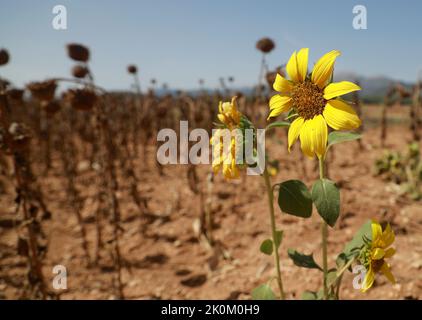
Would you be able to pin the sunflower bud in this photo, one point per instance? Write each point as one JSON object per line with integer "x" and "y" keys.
{"x": 4, "y": 57}
{"x": 79, "y": 71}
{"x": 132, "y": 69}
{"x": 265, "y": 45}
{"x": 43, "y": 91}
{"x": 78, "y": 52}
{"x": 82, "y": 99}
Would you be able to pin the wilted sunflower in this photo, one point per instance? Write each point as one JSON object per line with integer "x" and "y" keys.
{"x": 229, "y": 158}
{"x": 315, "y": 100}
{"x": 43, "y": 91}
{"x": 229, "y": 114}
{"x": 375, "y": 252}
{"x": 81, "y": 99}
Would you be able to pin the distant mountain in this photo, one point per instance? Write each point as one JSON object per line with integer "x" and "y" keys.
{"x": 373, "y": 88}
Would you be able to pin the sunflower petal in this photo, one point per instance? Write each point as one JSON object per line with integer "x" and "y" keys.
{"x": 323, "y": 69}
{"x": 368, "y": 281}
{"x": 279, "y": 104}
{"x": 378, "y": 254}
{"x": 220, "y": 107}
{"x": 389, "y": 253}
{"x": 216, "y": 168}
{"x": 306, "y": 139}
{"x": 291, "y": 68}
{"x": 282, "y": 84}
{"x": 221, "y": 117}
{"x": 319, "y": 135}
{"x": 234, "y": 170}
{"x": 279, "y": 101}
{"x": 294, "y": 131}
{"x": 376, "y": 233}
{"x": 337, "y": 89}
{"x": 387, "y": 237}
{"x": 226, "y": 171}
{"x": 340, "y": 115}
{"x": 302, "y": 63}
{"x": 385, "y": 269}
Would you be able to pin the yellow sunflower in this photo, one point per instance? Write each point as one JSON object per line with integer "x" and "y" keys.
{"x": 374, "y": 255}
{"x": 315, "y": 100}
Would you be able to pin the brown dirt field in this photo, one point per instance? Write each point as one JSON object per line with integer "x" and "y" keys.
{"x": 170, "y": 263}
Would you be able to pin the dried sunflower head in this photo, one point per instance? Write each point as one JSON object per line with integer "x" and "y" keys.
{"x": 15, "y": 95}
{"x": 50, "y": 107}
{"x": 80, "y": 71}
{"x": 43, "y": 91}
{"x": 132, "y": 69}
{"x": 78, "y": 52}
{"x": 265, "y": 45}
{"x": 4, "y": 57}
{"x": 82, "y": 99}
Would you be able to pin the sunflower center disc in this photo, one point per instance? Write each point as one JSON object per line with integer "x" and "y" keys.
{"x": 377, "y": 264}
{"x": 308, "y": 99}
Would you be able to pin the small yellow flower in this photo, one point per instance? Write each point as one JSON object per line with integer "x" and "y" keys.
{"x": 315, "y": 100}
{"x": 224, "y": 158}
{"x": 229, "y": 114}
{"x": 374, "y": 254}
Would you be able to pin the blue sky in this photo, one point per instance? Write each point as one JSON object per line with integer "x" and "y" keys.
{"x": 178, "y": 42}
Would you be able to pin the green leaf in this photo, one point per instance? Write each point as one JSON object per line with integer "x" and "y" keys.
{"x": 309, "y": 295}
{"x": 358, "y": 240}
{"x": 303, "y": 260}
{"x": 339, "y": 137}
{"x": 278, "y": 238}
{"x": 351, "y": 248}
{"x": 331, "y": 277}
{"x": 341, "y": 260}
{"x": 263, "y": 292}
{"x": 267, "y": 247}
{"x": 294, "y": 198}
{"x": 326, "y": 197}
{"x": 278, "y": 124}
{"x": 320, "y": 295}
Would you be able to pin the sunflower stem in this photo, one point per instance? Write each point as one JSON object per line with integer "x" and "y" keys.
{"x": 273, "y": 231}
{"x": 324, "y": 234}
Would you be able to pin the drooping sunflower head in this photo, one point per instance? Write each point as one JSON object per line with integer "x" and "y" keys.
{"x": 229, "y": 114}
{"x": 315, "y": 100}
{"x": 374, "y": 254}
